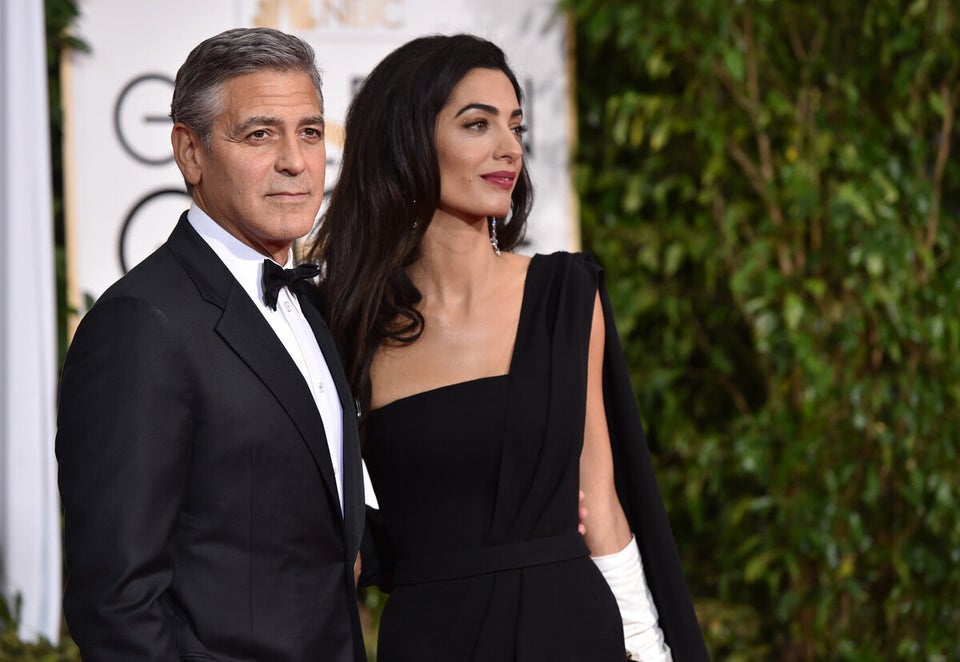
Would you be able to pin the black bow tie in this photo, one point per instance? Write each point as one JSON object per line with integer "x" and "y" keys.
{"x": 276, "y": 277}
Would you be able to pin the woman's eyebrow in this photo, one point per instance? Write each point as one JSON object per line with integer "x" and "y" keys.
{"x": 487, "y": 109}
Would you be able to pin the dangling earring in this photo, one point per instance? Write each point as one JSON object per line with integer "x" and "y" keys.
{"x": 493, "y": 236}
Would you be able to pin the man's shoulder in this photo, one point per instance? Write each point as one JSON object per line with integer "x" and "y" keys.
{"x": 168, "y": 280}
{"x": 156, "y": 274}
{"x": 169, "y": 270}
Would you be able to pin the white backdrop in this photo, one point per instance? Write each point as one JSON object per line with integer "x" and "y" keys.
{"x": 29, "y": 511}
{"x": 124, "y": 190}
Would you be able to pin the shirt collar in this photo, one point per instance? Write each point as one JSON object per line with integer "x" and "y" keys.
{"x": 244, "y": 262}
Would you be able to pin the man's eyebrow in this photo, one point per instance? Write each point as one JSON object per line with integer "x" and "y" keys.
{"x": 266, "y": 120}
{"x": 487, "y": 109}
{"x": 256, "y": 120}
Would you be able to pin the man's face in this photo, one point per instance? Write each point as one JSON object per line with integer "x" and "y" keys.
{"x": 262, "y": 176}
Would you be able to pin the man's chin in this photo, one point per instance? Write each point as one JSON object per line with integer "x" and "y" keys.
{"x": 296, "y": 226}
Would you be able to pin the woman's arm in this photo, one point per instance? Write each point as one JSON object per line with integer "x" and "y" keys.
{"x": 608, "y": 529}
{"x": 609, "y": 537}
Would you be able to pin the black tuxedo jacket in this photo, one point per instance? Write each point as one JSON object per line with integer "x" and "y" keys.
{"x": 200, "y": 509}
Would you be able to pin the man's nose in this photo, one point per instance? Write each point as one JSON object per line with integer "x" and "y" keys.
{"x": 290, "y": 157}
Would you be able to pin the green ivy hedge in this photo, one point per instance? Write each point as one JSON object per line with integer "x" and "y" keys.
{"x": 13, "y": 649}
{"x": 773, "y": 189}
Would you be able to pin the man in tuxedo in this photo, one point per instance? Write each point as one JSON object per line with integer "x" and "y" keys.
{"x": 209, "y": 464}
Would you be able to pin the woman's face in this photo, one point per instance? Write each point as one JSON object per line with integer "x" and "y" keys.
{"x": 479, "y": 149}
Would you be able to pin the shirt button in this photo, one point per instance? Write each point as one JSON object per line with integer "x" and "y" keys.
{"x": 320, "y": 386}
{"x": 288, "y": 306}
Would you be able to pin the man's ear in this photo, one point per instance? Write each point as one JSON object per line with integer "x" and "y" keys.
{"x": 188, "y": 152}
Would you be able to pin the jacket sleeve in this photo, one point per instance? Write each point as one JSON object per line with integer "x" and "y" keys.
{"x": 375, "y": 549}
{"x": 123, "y": 451}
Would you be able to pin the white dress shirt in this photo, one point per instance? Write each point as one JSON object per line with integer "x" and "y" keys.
{"x": 288, "y": 322}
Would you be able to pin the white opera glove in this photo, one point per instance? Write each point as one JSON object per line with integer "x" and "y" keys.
{"x": 642, "y": 635}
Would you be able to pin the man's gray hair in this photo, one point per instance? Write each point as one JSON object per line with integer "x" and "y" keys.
{"x": 198, "y": 90}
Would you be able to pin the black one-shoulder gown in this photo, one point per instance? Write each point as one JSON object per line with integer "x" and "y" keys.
{"x": 477, "y": 484}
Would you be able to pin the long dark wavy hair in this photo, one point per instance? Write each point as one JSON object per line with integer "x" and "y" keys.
{"x": 387, "y": 192}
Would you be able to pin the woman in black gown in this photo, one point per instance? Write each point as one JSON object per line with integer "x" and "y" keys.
{"x": 492, "y": 385}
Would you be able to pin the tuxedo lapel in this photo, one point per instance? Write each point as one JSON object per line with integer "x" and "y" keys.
{"x": 353, "y": 501}
{"x": 243, "y": 328}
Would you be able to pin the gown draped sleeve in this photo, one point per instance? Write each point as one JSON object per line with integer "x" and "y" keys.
{"x": 640, "y": 496}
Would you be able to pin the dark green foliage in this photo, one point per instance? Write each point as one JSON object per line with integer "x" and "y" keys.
{"x": 771, "y": 187}
{"x": 11, "y": 648}
{"x": 60, "y": 15}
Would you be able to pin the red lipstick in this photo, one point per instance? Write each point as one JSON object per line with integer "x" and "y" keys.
{"x": 502, "y": 179}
